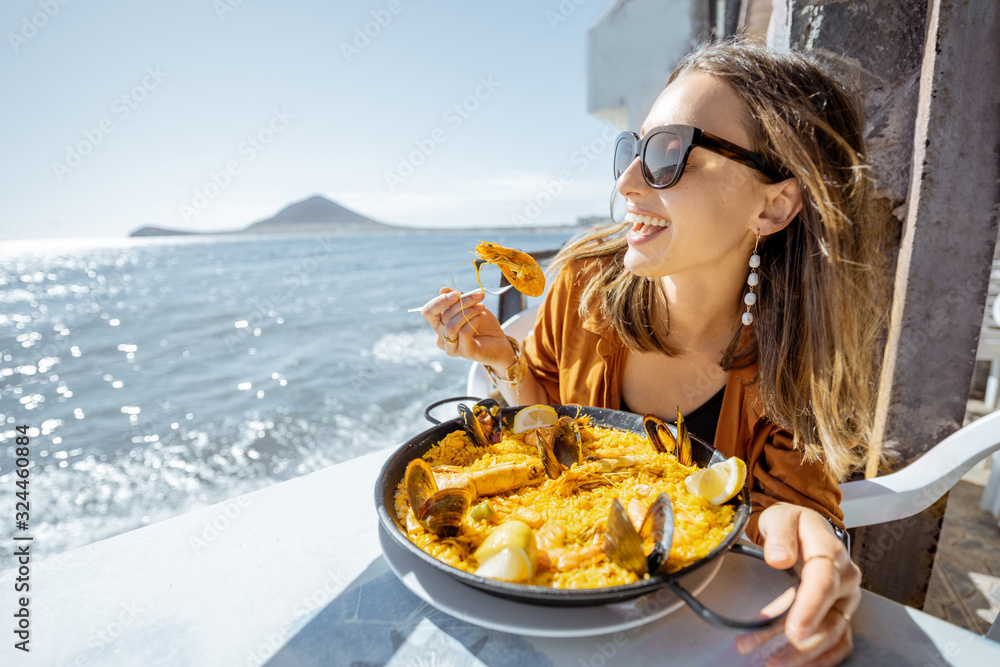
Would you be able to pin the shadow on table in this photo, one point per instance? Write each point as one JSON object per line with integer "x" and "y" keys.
{"x": 376, "y": 621}
{"x": 885, "y": 633}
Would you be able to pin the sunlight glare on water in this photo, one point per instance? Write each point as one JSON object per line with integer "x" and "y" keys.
{"x": 160, "y": 375}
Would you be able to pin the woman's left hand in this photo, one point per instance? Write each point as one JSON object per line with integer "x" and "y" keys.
{"x": 818, "y": 626}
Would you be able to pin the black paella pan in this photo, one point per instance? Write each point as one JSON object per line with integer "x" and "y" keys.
{"x": 703, "y": 455}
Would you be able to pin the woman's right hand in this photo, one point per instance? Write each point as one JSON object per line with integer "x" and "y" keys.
{"x": 466, "y": 328}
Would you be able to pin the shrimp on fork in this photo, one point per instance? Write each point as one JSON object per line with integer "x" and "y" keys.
{"x": 520, "y": 268}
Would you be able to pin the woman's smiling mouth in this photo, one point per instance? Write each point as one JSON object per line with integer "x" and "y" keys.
{"x": 644, "y": 227}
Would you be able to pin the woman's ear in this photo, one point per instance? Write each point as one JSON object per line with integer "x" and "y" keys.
{"x": 783, "y": 201}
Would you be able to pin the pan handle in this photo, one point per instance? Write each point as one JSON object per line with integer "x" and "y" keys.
{"x": 721, "y": 621}
{"x": 427, "y": 410}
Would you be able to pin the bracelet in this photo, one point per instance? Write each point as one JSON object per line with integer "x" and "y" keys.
{"x": 516, "y": 372}
{"x": 842, "y": 535}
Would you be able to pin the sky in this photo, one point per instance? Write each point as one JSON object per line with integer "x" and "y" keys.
{"x": 207, "y": 115}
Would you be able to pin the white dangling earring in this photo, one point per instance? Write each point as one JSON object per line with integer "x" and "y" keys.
{"x": 752, "y": 280}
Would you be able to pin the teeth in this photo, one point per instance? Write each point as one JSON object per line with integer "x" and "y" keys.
{"x": 646, "y": 220}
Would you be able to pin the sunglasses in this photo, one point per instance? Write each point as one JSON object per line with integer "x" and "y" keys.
{"x": 663, "y": 153}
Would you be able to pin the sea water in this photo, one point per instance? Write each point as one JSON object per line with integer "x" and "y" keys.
{"x": 161, "y": 375}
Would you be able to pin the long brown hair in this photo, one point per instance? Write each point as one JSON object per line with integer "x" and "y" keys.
{"x": 822, "y": 297}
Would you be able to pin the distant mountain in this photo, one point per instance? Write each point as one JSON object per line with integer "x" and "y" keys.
{"x": 319, "y": 215}
{"x": 159, "y": 231}
{"x": 315, "y": 214}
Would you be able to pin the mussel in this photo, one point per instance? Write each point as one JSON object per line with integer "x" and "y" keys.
{"x": 623, "y": 543}
{"x": 562, "y": 447}
{"x": 481, "y": 422}
{"x": 439, "y": 511}
{"x": 487, "y": 411}
{"x": 680, "y": 446}
{"x": 565, "y": 441}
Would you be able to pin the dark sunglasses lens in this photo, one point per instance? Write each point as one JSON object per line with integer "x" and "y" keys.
{"x": 624, "y": 154}
{"x": 662, "y": 158}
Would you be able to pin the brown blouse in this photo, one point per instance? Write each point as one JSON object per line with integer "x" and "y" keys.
{"x": 582, "y": 362}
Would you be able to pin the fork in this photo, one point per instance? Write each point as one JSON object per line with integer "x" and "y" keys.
{"x": 475, "y": 291}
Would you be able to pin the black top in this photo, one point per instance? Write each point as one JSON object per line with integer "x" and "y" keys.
{"x": 703, "y": 420}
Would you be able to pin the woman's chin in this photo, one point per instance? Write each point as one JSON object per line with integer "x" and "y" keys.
{"x": 638, "y": 265}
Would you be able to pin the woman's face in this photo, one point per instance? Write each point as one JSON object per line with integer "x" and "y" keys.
{"x": 705, "y": 221}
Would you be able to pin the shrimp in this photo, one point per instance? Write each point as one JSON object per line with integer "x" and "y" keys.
{"x": 520, "y": 268}
{"x": 595, "y": 472}
{"x": 555, "y": 554}
{"x": 613, "y": 464}
{"x": 636, "y": 512}
{"x": 492, "y": 480}
{"x": 439, "y": 499}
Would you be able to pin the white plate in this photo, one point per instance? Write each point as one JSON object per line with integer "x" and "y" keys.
{"x": 473, "y": 606}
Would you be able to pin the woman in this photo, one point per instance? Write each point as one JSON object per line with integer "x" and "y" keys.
{"x": 741, "y": 288}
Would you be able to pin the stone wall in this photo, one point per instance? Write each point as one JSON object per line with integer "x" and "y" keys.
{"x": 880, "y": 44}
{"x": 928, "y": 71}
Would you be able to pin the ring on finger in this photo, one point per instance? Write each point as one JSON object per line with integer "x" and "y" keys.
{"x": 829, "y": 558}
{"x": 449, "y": 340}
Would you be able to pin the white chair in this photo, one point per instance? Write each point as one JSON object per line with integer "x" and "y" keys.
{"x": 989, "y": 343}
{"x": 517, "y": 327}
{"x": 869, "y": 501}
{"x": 990, "y": 501}
{"x": 919, "y": 485}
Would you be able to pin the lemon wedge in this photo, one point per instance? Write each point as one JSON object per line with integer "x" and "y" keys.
{"x": 511, "y": 533}
{"x": 534, "y": 416}
{"x": 508, "y": 564}
{"x": 718, "y": 482}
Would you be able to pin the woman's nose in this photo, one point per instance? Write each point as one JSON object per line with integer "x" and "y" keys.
{"x": 631, "y": 183}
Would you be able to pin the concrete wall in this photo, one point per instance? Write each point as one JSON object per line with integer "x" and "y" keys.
{"x": 886, "y": 68}
{"x": 631, "y": 50}
{"x": 929, "y": 71}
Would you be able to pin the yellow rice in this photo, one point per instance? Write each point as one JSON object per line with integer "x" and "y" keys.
{"x": 699, "y": 526}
